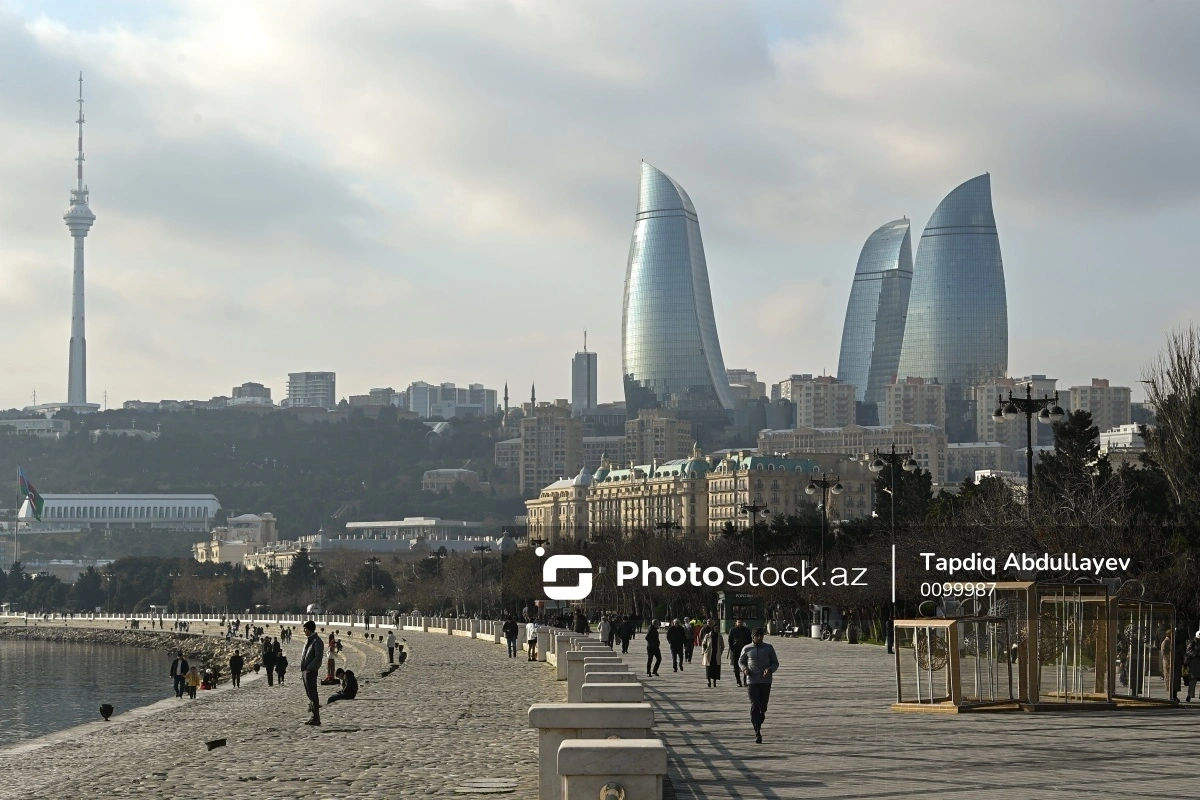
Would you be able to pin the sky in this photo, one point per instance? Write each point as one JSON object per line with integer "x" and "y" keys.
{"x": 445, "y": 191}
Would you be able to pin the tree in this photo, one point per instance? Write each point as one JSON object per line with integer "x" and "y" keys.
{"x": 88, "y": 592}
{"x": 1173, "y": 390}
{"x": 914, "y": 491}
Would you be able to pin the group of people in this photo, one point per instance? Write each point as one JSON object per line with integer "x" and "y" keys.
{"x": 188, "y": 678}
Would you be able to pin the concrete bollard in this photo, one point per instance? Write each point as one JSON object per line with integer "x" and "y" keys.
{"x": 474, "y": 629}
{"x": 609, "y": 677}
{"x": 498, "y": 632}
{"x": 561, "y": 646}
{"x": 560, "y": 722}
{"x": 543, "y": 643}
{"x": 576, "y": 662}
{"x": 612, "y": 693}
{"x": 424, "y": 624}
{"x": 450, "y": 626}
{"x": 587, "y": 767}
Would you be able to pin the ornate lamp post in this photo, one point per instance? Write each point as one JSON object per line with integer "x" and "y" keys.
{"x": 908, "y": 464}
{"x": 753, "y": 510}
{"x": 481, "y": 549}
{"x": 827, "y": 486}
{"x": 372, "y": 561}
{"x": 1047, "y": 410}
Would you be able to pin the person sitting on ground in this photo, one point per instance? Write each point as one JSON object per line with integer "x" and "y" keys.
{"x": 349, "y": 686}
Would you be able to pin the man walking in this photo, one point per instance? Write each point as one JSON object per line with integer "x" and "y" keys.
{"x": 268, "y": 661}
{"x": 236, "y": 662}
{"x": 758, "y": 663}
{"x": 739, "y": 637}
{"x": 310, "y": 665}
{"x": 510, "y": 635}
{"x": 179, "y": 671}
{"x": 653, "y": 652}
{"x": 676, "y": 636}
{"x": 391, "y": 646}
{"x": 625, "y": 633}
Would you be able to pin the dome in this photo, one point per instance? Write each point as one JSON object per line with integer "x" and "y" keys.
{"x": 584, "y": 478}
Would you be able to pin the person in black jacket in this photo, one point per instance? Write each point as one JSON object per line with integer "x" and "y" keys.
{"x": 179, "y": 671}
{"x": 268, "y": 660}
{"x": 310, "y": 665}
{"x": 236, "y": 662}
{"x": 653, "y": 651}
{"x": 739, "y": 637}
{"x": 581, "y": 623}
{"x": 510, "y": 635}
{"x": 349, "y": 686}
{"x": 676, "y": 638}
{"x": 625, "y": 633}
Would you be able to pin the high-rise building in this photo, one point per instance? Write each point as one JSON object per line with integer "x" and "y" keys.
{"x": 583, "y": 380}
{"x": 1110, "y": 405}
{"x": 79, "y": 219}
{"x": 670, "y": 355}
{"x": 551, "y": 445}
{"x": 312, "y": 390}
{"x": 987, "y": 397}
{"x": 1041, "y": 386}
{"x": 745, "y": 385}
{"x": 913, "y": 400}
{"x": 254, "y": 394}
{"x": 656, "y": 437}
{"x": 874, "y": 328}
{"x": 447, "y": 400}
{"x": 956, "y": 331}
{"x": 821, "y": 402}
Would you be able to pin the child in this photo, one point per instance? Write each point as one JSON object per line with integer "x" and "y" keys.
{"x": 193, "y": 682}
{"x": 280, "y": 666}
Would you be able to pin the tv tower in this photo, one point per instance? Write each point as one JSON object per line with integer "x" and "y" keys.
{"x": 79, "y": 219}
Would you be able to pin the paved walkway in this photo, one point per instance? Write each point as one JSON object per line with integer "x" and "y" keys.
{"x": 830, "y": 734}
{"x": 451, "y": 722}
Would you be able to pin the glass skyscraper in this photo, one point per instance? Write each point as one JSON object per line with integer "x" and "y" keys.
{"x": 874, "y": 329}
{"x": 670, "y": 355}
{"x": 957, "y": 328}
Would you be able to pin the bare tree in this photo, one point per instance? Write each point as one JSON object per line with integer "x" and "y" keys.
{"x": 1173, "y": 390}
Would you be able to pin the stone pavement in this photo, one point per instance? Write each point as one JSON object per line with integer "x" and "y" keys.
{"x": 450, "y": 722}
{"x": 830, "y": 734}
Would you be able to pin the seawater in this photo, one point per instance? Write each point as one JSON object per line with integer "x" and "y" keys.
{"x": 50, "y": 686}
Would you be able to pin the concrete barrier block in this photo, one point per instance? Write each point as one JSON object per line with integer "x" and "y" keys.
{"x": 560, "y": 722}
{"x": 612, "y": 693}
{"x": 587, "y": 766}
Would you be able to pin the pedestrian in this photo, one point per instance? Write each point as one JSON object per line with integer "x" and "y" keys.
{"x": 691, "y": 627}
{"x": 758, "y": 663}
{"x": 653, "y": 651}
{"x": 531, "y": 639}
{"x": 606, "y": 631}
{"x": 310, "y": 665}
{"x": 1191, "y": 660}
{"x": 268, "y": 660}
{"x": 236, "y": 663}
{"x": 510, "y": 635}
{"x": 349, "y": 688}
{"x": 391, "y": 646}
{"x": 739, "y": 637}
{"x": 712, "y": 647}
{"x": 281, "y": 664}
{"x": 676, "y": 636}
{"x": 581, "y": 622}
{"x": 179, "y": 670}
{"x": 625, "y": 633}
{"x": 193, "y": 681}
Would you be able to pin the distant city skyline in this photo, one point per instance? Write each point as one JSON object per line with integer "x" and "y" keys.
{"x": 399, "y": 192}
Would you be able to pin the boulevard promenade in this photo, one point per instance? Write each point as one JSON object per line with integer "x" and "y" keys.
{"x": 830, "y": 734}
{"x": 450, "y": 722}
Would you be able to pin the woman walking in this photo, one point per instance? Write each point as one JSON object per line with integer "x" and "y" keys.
{"x": 653, "y": 650}
{"x": 712, "y": 646}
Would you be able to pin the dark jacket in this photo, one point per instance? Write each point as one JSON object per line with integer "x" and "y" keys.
{"x": 739, "y": 637}
{"x": 236, "y": 663}
{"x": 268, "y": 653}
{"x": 179, "y": 667}
{"x": 281, "y": 663}
{"x": 581, "y": 624}
{"x": 757, "y": 659}
{"x": 349, "y": 685}
{"x": 313, "y": 655}
{"x": 676, "y": 637}
{"x": 510, "y": 629}
{"x": 625, "y": 630}
{"x": 652, "y": 639}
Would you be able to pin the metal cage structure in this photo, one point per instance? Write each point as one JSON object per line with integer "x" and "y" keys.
{"x": 1144, "y": 644}
{"x": 953, "y": 665}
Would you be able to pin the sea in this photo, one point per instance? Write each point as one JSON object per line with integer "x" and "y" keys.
{"x": 51, "y": 686}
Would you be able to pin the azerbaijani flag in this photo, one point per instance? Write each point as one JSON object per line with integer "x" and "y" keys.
{"x": 27, "y": 491}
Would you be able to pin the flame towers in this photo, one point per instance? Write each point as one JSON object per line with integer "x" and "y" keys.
{"x": 874, "y": 329}
{"x": 79, "y": 219}
{"x": 670, "y": 355}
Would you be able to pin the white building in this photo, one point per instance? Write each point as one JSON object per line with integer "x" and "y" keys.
{"x": 239, "y": 536}
{"x": 915, "y": 401}
{"x": 312, "y": 390}
{"x": 179, "y": 512}
{"x": 821, "y": 402}
{"x": 250, "y": 394}
{"x": 447, "y": 400}
{"x": 1109, "y": 405}
{"x": 1122, "y": 439}
{"x": 47, "y": 428}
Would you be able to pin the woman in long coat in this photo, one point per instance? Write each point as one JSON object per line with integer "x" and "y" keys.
{"x": 713, "y": 647}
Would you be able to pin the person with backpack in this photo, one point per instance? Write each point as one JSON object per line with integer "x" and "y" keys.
{"x": 653, "y": 650}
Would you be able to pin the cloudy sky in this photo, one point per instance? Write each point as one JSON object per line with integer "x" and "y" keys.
{"x": 445, "y": 191}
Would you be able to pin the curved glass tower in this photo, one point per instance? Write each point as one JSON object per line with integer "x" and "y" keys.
{"x": 874, "y": 329}
{"x": 957, "y": 328}
{"x": 670, "y": 355}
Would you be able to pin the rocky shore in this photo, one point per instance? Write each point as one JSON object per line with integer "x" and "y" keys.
{"x": 203, "y": 651}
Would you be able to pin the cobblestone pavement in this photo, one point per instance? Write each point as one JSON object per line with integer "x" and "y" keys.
{"x": 830, "y": 734}
{"x": 452, "y": 721}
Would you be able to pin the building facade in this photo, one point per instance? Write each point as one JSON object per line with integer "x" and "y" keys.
{"x": 821, "y": 402}
{"x": 551, "y": 445}
{"x": 913, "y": 400}
{"x": 874, "y": 329}
{"x": 1109, "y": 405}
{"x": 583, "y": 382}
{"x": 253, "y": 394}
{"x": 238, "y": 537}
{"x": 598, "y": 448}
{"x": 176, "y": 512}
{"x": 670, "y": 354}
{"x": 963, "y": 459}
{"x": 447, "y": 480}
{"x": 447, "y": 400}
{"x": 928, "y": 443}
{"x": 956, "y": 331}
{"x": 656, "y": 437}
{"x": 41, "y": 426}
{"x": 312, "y": 390}
{"x": 986, "y": 398}
{"x": 745, "y": 385}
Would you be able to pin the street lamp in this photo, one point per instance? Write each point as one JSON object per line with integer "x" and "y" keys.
{"x": 481, "y": 549}
{"x": 372, "y": 561}
{"x": 1046, "y": 409}
{"x": 827, "y": 486}
{"x": 666, "y": 526}
{"x": 908, "y": 464}
{"x": 753, "y": 510}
